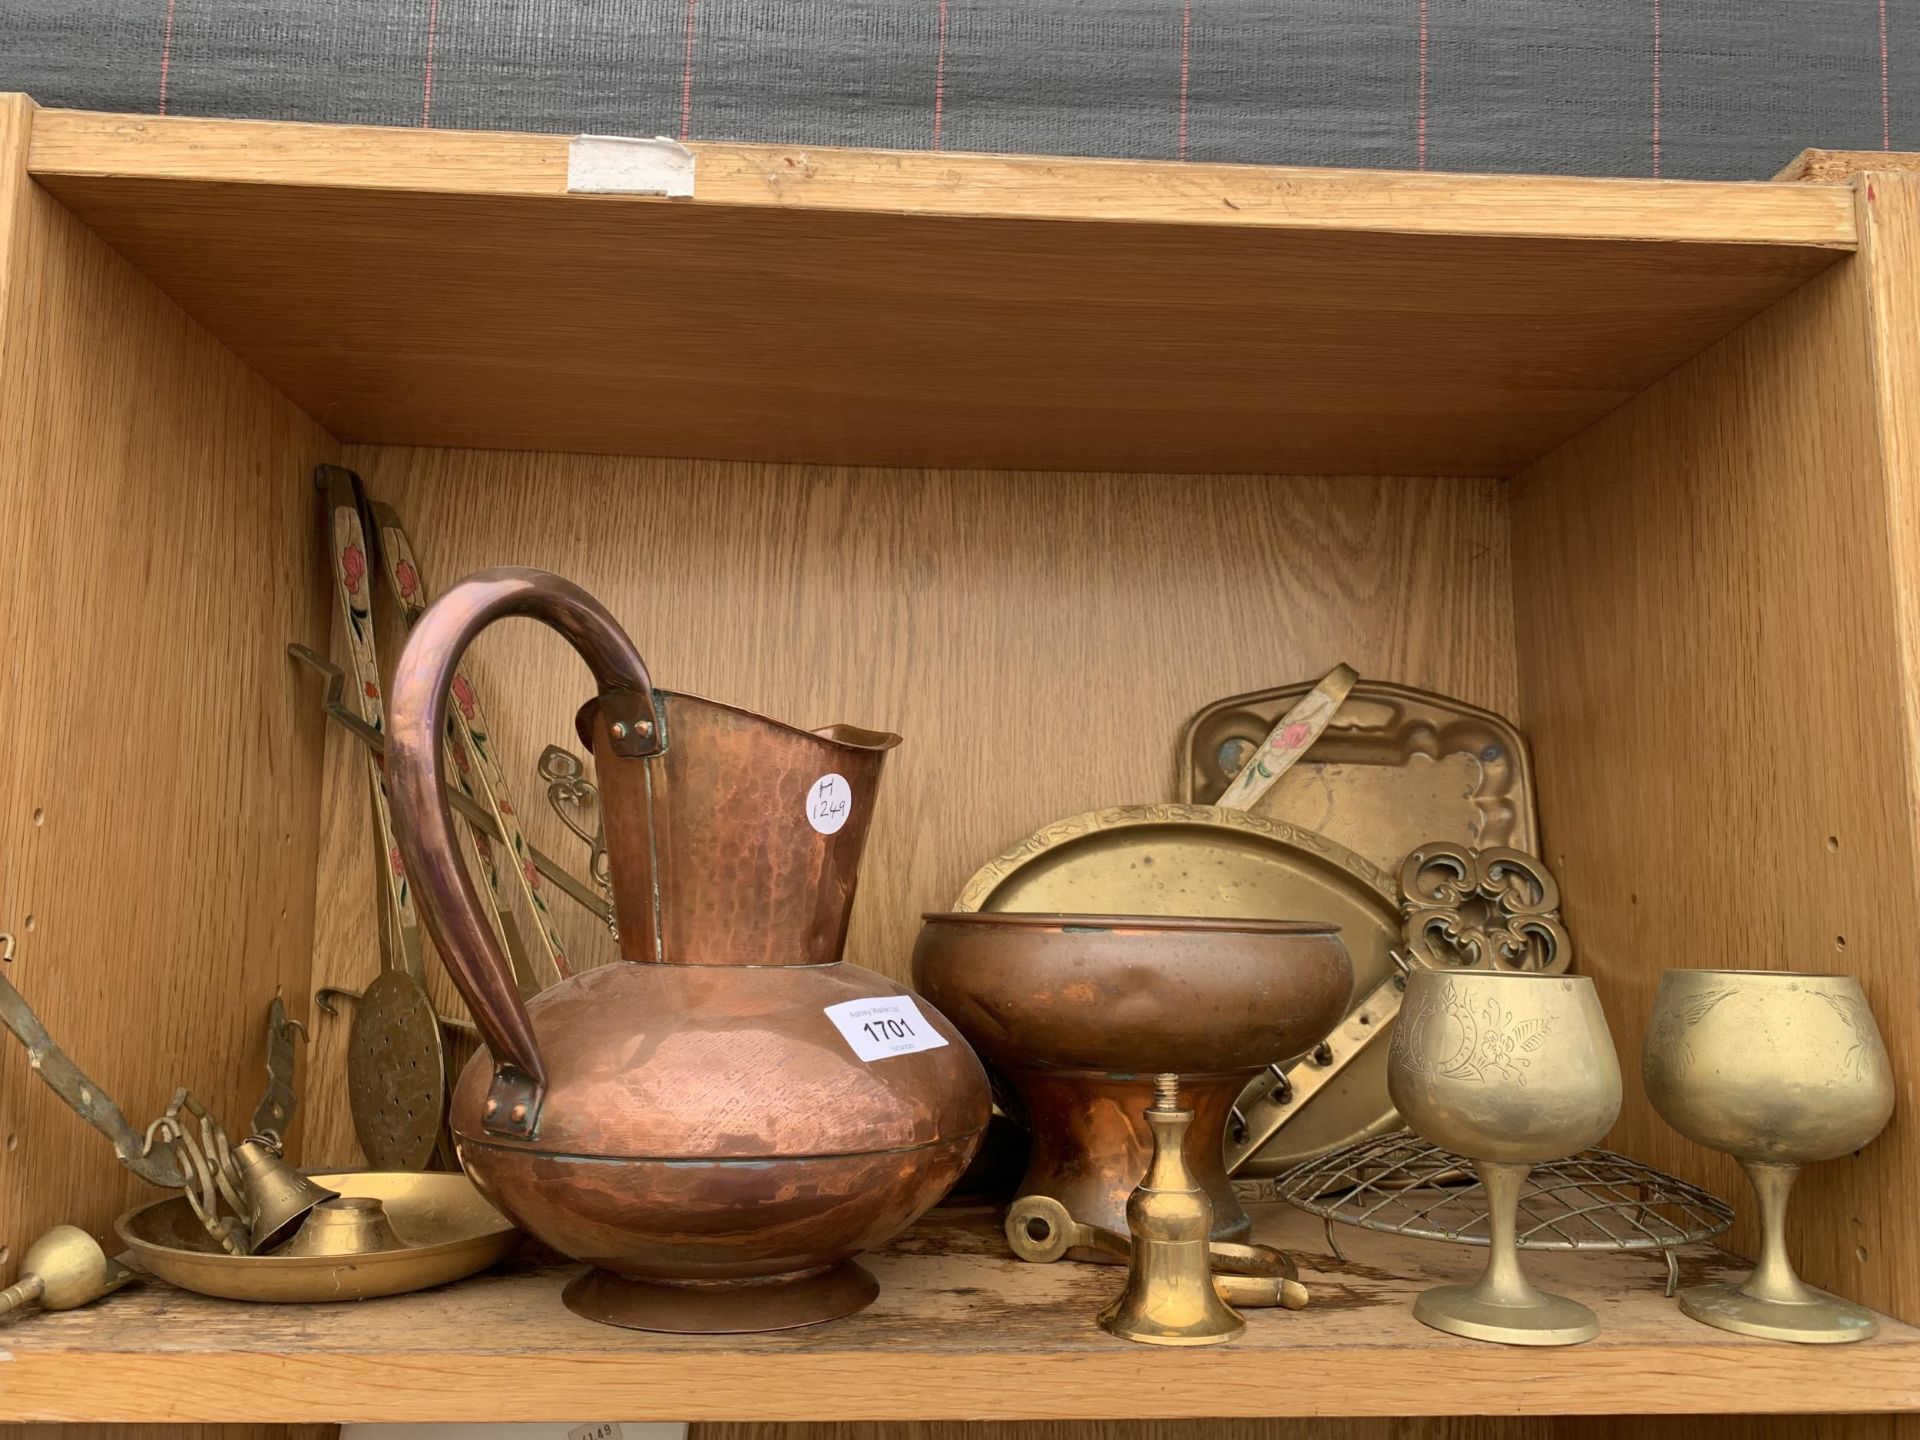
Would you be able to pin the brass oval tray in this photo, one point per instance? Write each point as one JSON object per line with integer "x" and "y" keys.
{"x": 450, "y": 1233}
{"x": 1200, "y": 860}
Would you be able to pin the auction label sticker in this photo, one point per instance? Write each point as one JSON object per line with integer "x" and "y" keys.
{"x": 829, "y": 803}
{"x": 884, "y": 1027}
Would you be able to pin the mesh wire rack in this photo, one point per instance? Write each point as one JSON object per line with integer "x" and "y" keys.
{"x": 1400, "y": 1185}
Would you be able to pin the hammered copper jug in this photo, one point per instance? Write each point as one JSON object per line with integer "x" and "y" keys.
{"x": 700, "y": 1125}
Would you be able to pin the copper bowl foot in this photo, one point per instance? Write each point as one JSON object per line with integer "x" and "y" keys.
{"x": 723, "y": 1307}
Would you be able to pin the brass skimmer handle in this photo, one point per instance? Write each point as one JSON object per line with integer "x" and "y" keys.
{"x": 423, "y": 822}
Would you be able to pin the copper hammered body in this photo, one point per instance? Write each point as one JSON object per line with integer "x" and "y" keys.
{"x": 691, "y": 1124}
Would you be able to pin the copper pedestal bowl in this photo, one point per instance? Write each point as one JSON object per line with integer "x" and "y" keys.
{"x": 1078, "y": 1013}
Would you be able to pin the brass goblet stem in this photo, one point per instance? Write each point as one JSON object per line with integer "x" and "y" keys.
{"x": 1503, "y": 1282}
{"x": 1773, "y": 1276}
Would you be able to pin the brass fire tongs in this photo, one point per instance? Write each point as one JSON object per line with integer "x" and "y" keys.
{"x": 185, "y": 1148}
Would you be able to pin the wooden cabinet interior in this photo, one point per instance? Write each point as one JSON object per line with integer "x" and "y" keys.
{"x": 1701, "y": 606}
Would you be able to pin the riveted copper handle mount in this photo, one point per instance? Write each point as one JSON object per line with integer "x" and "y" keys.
{"x": 423, "y": 821}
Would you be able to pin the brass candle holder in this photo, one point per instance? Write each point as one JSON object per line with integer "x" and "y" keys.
{"x": 1511, "y": 1070}
{"x": 1779, "y": 1070}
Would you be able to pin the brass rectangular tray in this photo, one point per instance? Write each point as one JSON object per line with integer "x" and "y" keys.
{"x": 1397, "y": 767}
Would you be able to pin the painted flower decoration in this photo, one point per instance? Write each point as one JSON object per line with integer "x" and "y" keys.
{"x": 460, "y": 760}
{"x": 353, "y": 566}
{"x": 463, "y": 695}
{"x": 533, "y": 875}
{"x": 373, "y": 690}
{"x": 399, "y": 865}
{"x": 1291, "y": 738}
{"x": 407, "y": 578}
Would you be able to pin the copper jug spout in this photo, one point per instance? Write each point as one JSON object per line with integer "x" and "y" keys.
{"x": 739, "y": 842}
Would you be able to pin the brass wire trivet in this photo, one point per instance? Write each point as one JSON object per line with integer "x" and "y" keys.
{"x": 1398, "y": 1184}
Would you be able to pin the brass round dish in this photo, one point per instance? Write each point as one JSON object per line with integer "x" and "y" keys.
{"x": 448, "y": 1232}
{"x": 1199, "y": 860}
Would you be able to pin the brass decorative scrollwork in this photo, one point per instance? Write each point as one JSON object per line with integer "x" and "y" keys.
{"x": 574, "y": 797}
{"x": 1490, "y": 909}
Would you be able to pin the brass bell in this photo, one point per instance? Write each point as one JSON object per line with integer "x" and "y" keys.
{"x": 278, "y": 1197}
{"x": 63, "y": 1268}
{"x": 1170, "y": 1297}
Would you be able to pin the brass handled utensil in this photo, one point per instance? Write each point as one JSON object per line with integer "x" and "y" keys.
{"x": 374, "y": 742}
{"x": 1289, "y": 740}
{"x": 64, "y": 1268}
{"x": 396, "y": 1058}
{"x": 1489, "y": 909}
{"x": 245, "y": 1197}
{"x": 476, "y": 769}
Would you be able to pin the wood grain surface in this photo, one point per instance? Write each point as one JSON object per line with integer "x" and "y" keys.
{"x": 1838, "y": 167}
{"x": 866, "y": 308}
{"x": 82, "y": 143}
{"x": 1039, "y": 643}
{"x": 1712, "y": 675}
{"x": 158, "y": 779}
{"x": 961, "y": 1329}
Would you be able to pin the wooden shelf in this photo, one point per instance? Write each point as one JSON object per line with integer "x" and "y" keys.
{"x": 960, "y": 1331}
{"x": 864, "y": 307}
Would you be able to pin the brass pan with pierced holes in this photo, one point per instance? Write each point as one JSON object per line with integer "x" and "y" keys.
{"x": 397, "y": 1073}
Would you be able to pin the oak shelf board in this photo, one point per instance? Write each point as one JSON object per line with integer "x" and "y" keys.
{"x": 919, "y": 309}
{"x": 961, "y": 1331}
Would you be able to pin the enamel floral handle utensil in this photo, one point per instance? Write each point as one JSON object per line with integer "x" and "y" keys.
{"x": 1289, "y": 740}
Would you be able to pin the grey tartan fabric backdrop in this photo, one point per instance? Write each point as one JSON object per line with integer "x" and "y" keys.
{"x": 1689, "y": 88}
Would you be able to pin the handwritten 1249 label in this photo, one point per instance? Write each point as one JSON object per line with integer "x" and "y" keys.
{"x": 884, "y": 1027}
{"x": 829, "y": 803}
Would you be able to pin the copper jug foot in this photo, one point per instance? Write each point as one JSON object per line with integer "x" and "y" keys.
{"x": 723, "y": 1307}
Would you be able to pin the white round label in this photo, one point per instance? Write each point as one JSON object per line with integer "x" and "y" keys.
{"x": 829, "y": 803}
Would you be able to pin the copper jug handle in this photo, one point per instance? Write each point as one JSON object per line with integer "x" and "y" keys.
{"x": 423, "y": 821}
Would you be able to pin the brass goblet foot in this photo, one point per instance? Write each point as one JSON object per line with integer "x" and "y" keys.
{"x": 1773, "y": 1303}
{"x": 1539, "y": 1319}
{"x": 1502, "y": 1305}
{"x": 1819, "y": 1320}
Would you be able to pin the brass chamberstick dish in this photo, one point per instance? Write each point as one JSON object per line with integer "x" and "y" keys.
{"x": 1203, "y": 861}
{"x": 1397, "y": 767}
{"x": 448, "y": 1231}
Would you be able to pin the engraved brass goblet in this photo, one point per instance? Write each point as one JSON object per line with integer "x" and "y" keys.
{"x": 1510, "y": 1069}
{"x": 1778, "y": 1070}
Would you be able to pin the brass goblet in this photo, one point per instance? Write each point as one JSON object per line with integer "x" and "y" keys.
{"x": 1510, "y": 1069}
{"x": 1778, "y": 1070}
